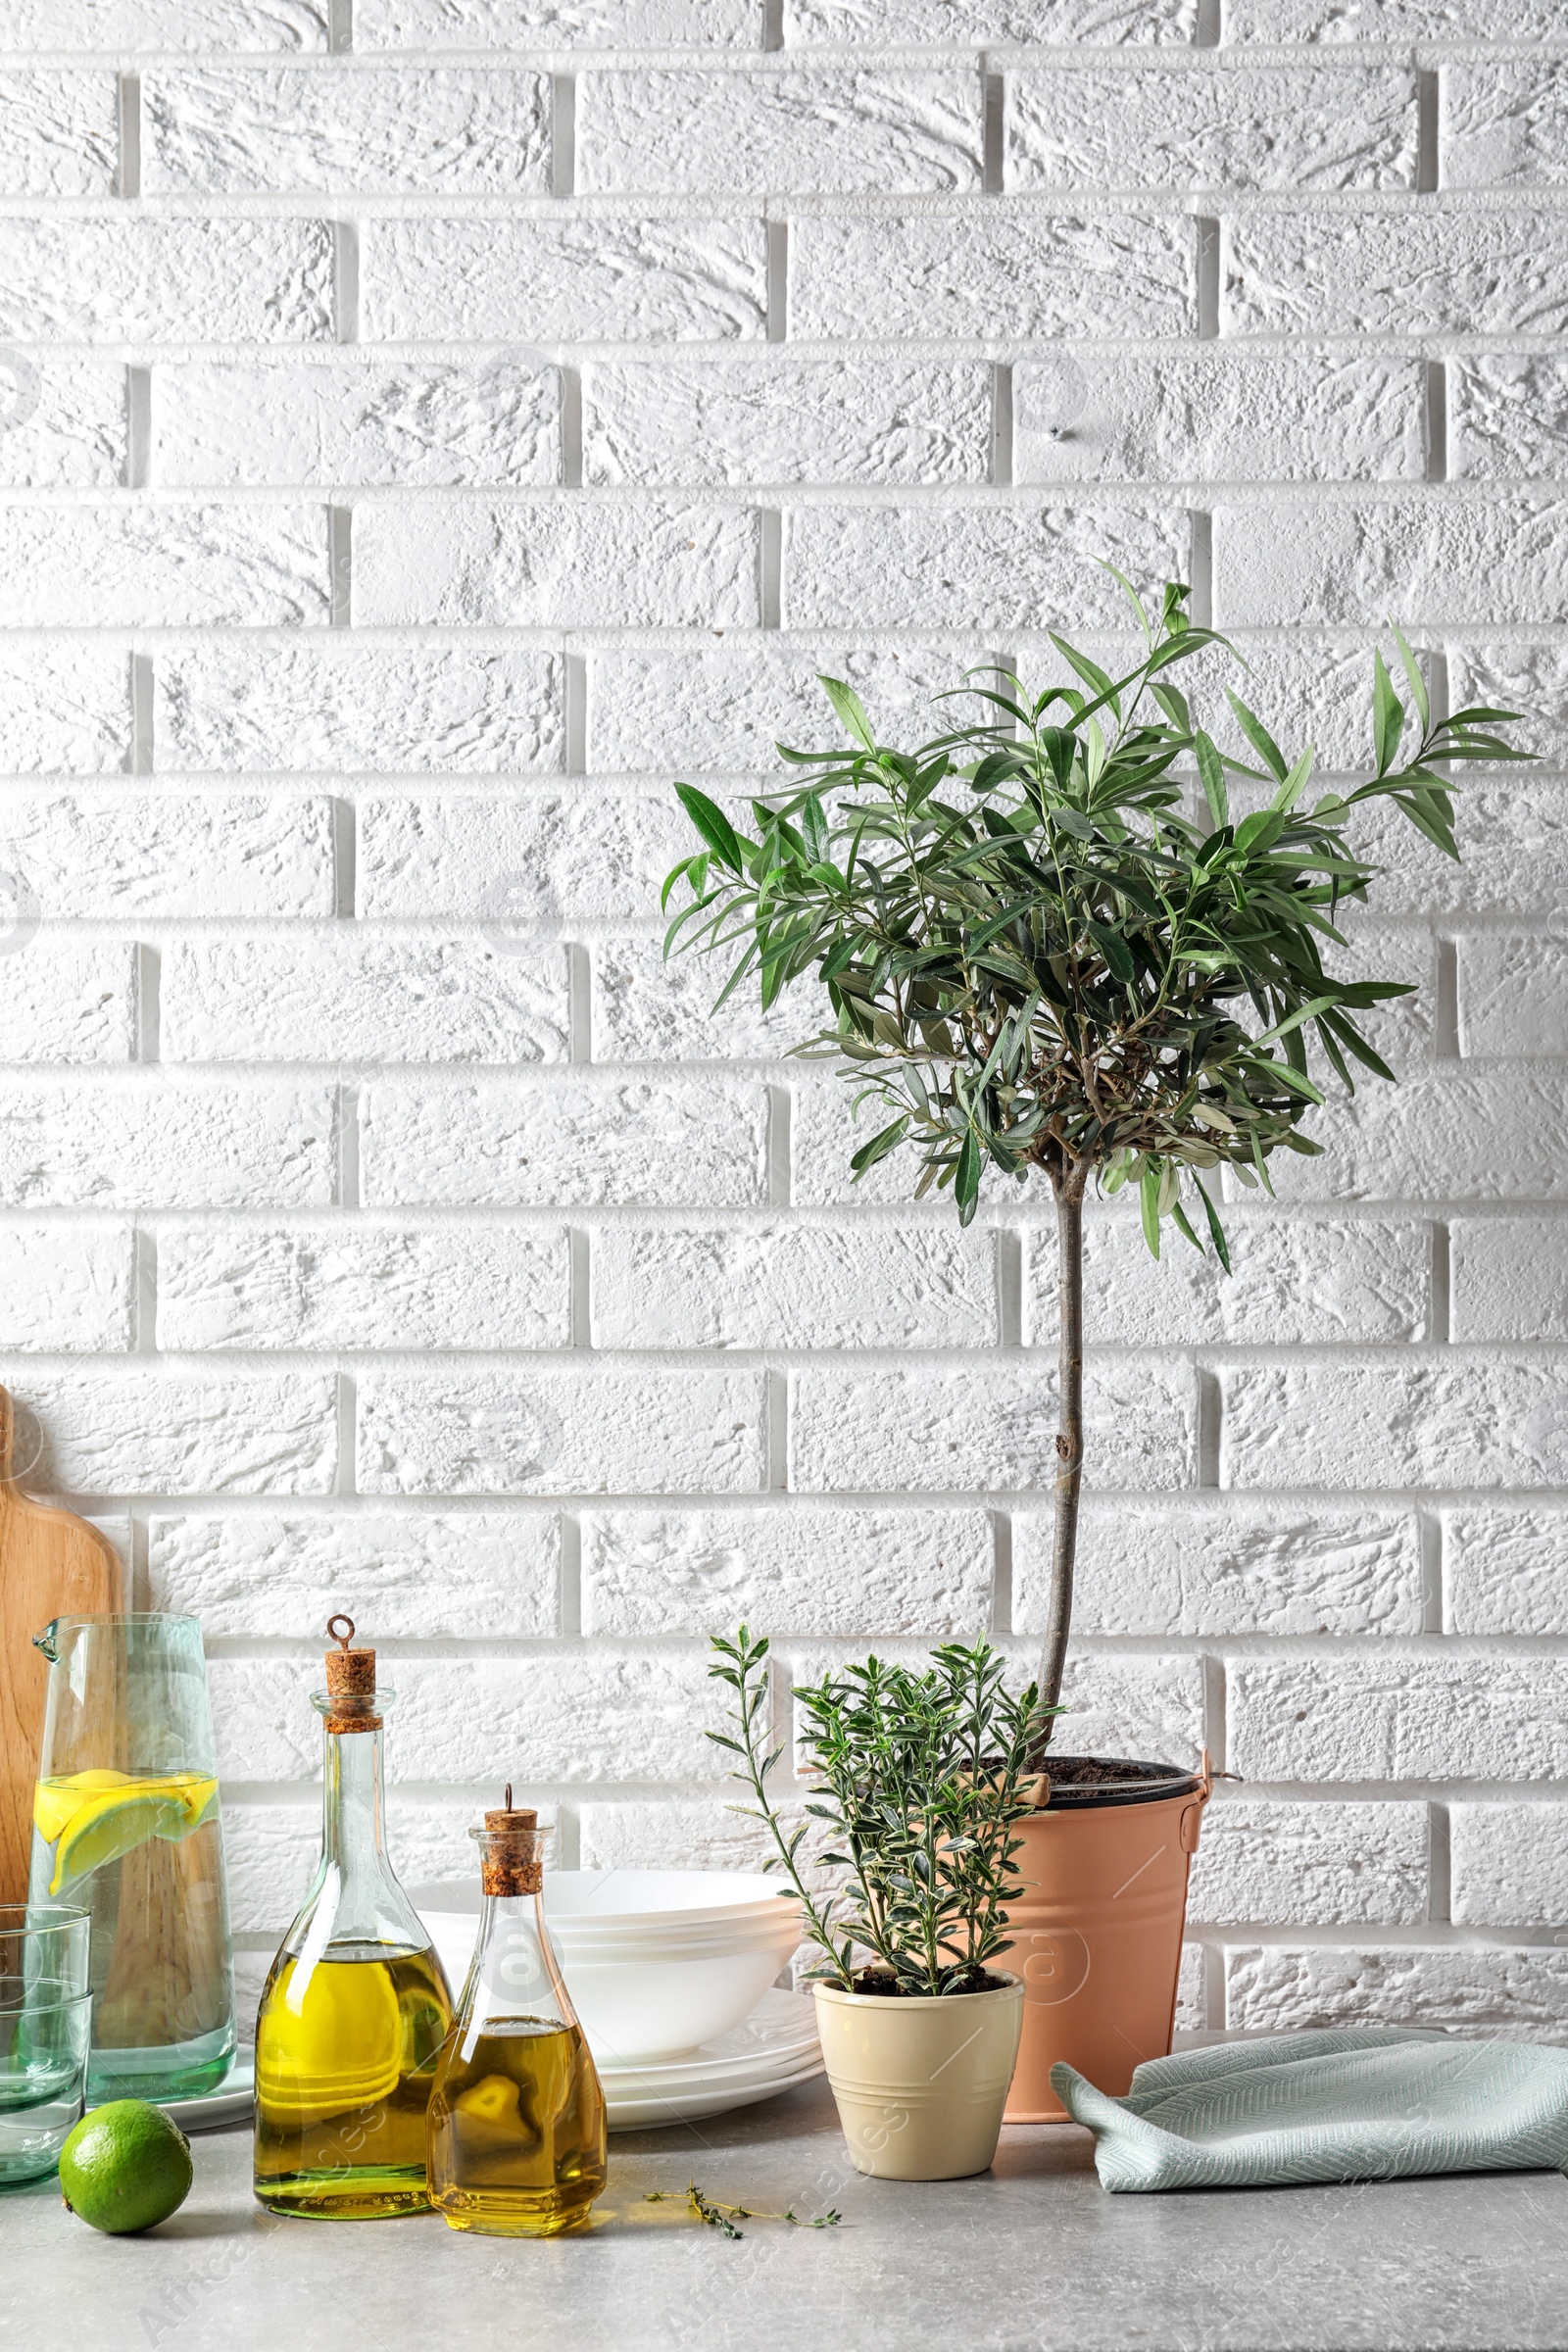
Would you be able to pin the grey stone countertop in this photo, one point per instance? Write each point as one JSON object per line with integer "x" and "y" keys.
{"x": 1030, "y": 2257}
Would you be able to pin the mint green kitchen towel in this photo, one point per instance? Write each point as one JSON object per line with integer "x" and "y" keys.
{"x": 1367, "y": 2103}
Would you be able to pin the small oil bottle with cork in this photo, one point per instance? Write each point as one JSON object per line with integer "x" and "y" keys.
{"x": 357, "y": 2005}
{"x": 517, "y": 2118}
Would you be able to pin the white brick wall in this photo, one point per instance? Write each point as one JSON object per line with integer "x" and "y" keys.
{"x": 427, "y": 427}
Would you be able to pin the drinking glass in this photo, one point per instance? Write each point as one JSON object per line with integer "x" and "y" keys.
{"x": 45, "y": 2020}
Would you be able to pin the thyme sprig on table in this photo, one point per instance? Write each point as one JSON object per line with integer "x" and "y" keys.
{"x": 724, "y": 2218}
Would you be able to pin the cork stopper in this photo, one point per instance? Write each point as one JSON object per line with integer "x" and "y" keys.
{"x": 510, "y": 1861}
{"x": 350, "y": 1682}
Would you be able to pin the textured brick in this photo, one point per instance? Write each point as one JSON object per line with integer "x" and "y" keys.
{"x": 368, "y": 1284}
{"x": 1366, "y": 1717}
{"x": 1504, "y": 122}
{"x": 977, "y": 566}
{"x": 270, "y": 1852}
{"x": 896, "y": 130}
{"x": 1391, "y": 20}
{"x": 116, "y": 567}
{"x": 144, "y": 1431}
{"x": 1422, "y": 268}
{"x": 1210, "y": 125}
{"x": 61, "y": 132}
{"x": 727, "y": 705}
{"x": 988, "y": 23}
{"x": 1325, "y": 1865}
{"x": 569, "y": 1143}
{"x": 111, "y": 851}
{"x": 1506, "y": 1568}
{"x": 1290, "y": 1281}
{"x": 588, "y": 275}
{"x": 508, "y": 861}
{"x": 558, "y": 1715}
{"x": 1509, "y": 1278}
{"x": 1131, "y": 1706}
{"x": 1228, "y": 1566}
{"x": 1513, "y": 849}
{"x": 562, "y": 566}
{"x": 232, "y": 129}
{"x": 595, "y": 1429}
{"x": 1519, "y": 1995}
{"x": 467, "y": 1574}
{"x": 136, "y": 1139}
{"x": 691, "y": 1833}
{"x": 418, "y": 422}
{"x": 64, "y": 423}
{"x": 1434, "y": 559}
{"x": 66, "y": 1001}
{"x": 795, "y": 1570}
{"x": 1218, "y": 416}
{"x": 1507, "y": 417}
{"x": 1513, "y": 995}
{"x": 1508, "y": 1865}
{"x": 1530, "y": 679}
{"x": 990, "y": 1425}
{"x": 67, "y": 24}
{"x": 263, "y": 280}
{"x": 1004, "y": 269}
{"x": 777, "y": 420}
{"x": 329, "y": 999}
{"x": 67, "y": 1286}
{"x": 1471, "y": 1136}
{"x": 359, "y": 707}
{"x": 556, "y": 24}
{"x": 65, "y": 707}
{"x": 792, "y": 1286}
{"x": 264, "y": 1731}
{"x": 1480, "y": 1419}
{"x": 645, "y": 1009}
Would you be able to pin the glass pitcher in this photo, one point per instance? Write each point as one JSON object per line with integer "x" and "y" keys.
{"x": 125, "y": 1825}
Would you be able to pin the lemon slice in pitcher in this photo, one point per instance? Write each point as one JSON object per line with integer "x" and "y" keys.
{"x": 92, "y": 1818}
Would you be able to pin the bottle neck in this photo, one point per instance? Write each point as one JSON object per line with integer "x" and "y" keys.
{"x": 352, "y": 1823}
{"x": 516, "y": 1972}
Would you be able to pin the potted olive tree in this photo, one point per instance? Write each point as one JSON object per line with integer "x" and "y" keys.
{"x": 920, "y": 1779}
{"x": 1039, "y": 959}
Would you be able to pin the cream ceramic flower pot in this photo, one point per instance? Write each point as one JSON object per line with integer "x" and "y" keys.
{"x": 920, "y": 2084}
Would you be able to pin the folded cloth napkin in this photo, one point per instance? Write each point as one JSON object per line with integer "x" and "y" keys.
{"x": 1365, "y": 2104}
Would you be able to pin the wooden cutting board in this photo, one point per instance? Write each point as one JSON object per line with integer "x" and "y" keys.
{"x": 52, "y": 1564}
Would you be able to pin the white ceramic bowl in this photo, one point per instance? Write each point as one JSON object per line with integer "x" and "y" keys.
{"x": 657, "y": 1961}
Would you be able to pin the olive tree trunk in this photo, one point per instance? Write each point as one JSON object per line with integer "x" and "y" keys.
{"x": 1069, "y": 1189}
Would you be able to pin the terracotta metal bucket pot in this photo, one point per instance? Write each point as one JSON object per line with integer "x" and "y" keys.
{"x": 1098, "y": 1933}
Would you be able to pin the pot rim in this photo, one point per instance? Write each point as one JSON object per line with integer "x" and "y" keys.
{"x": 904, "y": 2003}
{"x": 1163, "y": 1783}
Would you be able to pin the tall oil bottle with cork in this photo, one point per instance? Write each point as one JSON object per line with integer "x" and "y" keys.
{"x": 356, "y": 2006}
{"x": 517, "y": 2118}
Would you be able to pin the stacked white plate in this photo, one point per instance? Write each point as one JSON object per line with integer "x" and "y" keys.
{"x": 671, "y": 1972}
{"x": 774, "y": 2049}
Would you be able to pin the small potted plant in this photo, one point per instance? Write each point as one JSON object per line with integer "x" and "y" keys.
{"x": 920, "y": 1777}
{"x": 1050, "y": 948}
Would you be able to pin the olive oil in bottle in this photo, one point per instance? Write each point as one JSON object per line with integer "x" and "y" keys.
{"x": 356, "y": 2006}
{"x": 517, "y": 2118}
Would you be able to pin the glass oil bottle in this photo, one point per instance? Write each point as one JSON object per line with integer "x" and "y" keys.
{"x": 357, "y": 2005}
{"x": 517, "y": 2118}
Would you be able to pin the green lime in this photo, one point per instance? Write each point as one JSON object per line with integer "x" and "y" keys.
{"x": 126, "y": 2166}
